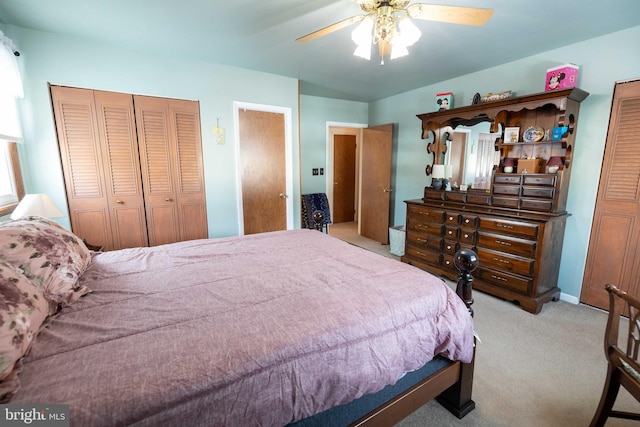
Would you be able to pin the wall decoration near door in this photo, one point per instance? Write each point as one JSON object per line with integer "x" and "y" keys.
{"x": 127, "y": 186}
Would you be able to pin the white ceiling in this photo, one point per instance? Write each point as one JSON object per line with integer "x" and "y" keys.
{"x": 260, "y": 35}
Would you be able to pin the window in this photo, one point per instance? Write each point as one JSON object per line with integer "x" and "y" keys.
{"x": 11, "y": 186}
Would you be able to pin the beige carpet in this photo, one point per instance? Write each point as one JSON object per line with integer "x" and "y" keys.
{"x": 531, "y": 370}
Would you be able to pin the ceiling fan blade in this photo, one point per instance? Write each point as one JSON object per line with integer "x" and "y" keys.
{"x": 331, "y": 28}
{"x": 450, "y": 14}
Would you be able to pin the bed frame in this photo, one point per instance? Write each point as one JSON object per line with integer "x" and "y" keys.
{"x": 451, "y": 385}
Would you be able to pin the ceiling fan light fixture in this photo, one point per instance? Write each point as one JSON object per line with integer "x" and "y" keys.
{"x": 362, "y": 34}
{"x": 398, "y": 49}
{"x": 363, "y": 51}
{"x": 409, "y": 33}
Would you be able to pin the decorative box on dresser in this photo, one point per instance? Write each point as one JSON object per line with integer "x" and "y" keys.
{"x": 517, "y": 226}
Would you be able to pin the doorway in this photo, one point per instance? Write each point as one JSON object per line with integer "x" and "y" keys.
{"x": 372, "y": 176}
{"x": 264, "y": 172}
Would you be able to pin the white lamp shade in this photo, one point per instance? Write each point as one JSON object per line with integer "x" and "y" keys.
{"x": 36, "y": 204}
{"x": 437, "y": 171}
{"x": 448, "y": 171}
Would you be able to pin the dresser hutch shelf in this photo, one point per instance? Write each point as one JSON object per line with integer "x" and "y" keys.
{"x": 517, "y": 226}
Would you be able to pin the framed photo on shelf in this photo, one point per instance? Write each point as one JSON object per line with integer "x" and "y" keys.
{"x": 511, "y": 134}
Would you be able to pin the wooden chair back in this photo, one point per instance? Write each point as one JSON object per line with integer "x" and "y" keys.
{"x": 623, "y": 355}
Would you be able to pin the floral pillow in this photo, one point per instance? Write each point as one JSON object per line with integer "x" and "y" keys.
{"x": 23, "y": 309}
{"x": 49, "y": 255}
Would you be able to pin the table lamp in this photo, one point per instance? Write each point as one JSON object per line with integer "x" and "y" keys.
{"x": 36, "y": 204}
{"x": 508, "y": 164}
{"x": 437, "y": 174}
{"x": 554, "y": 164}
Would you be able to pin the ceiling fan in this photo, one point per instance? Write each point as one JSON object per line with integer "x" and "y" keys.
{"x": 388, "y": 24}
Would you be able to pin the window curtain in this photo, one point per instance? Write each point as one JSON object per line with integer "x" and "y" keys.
{"x": 487, "y": 156}
{"x": 10, "y": 90}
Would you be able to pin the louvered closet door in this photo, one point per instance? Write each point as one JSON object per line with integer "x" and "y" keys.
{"x": 614, "y": 246}
{"x": 98, "y": 147}
{"x": 78, "y": 138}
{"x": 116, "y": 124}
{"x": 172, "y": 171}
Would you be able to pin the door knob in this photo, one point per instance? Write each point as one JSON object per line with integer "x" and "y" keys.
{"x": 120, "y": 202}
{"x": 283, "y": 196}
{"x": 168, "y": 200}
{"x": 387, "y": 190}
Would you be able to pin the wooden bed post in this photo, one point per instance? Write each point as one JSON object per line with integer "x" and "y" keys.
{"x": 457, "y": 398}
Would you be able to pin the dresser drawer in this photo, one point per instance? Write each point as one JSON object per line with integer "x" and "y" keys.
{"x": 504, "y": 262}
{"x": 425, "y": 227}
{"x": 468, "y": 220}
{"x": 447, "y": 262}
{"x": 536, "y": 205}
{"x": 507, "y": 202}
{"x": 431, "y": 194}
{"x": 507, "y": 179}
{"x": 424, "y": 255}
{"x": 467, "y": 236}
{"x": 479, "y": 199}
{"x": 517, "y": 228}
{"x": 548, "y": 180}
{"x": 450, "y": 247}
{"x": 455, "y": 196}
{"x": 424, "y": 240}
{"x": 451, "y": 232}
{"x": 506, "y": 190}
{"x": 512, "y": 245}
{"x": 426, "y": 213}
{"x": 452, "y": 218}
{"x": 504, "y": 280}
{"x": 543, "y": 192}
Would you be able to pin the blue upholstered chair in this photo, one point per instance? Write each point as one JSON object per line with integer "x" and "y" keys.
{"x": 315, "y": 211}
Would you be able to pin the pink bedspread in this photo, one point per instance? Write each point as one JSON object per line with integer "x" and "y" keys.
{"x": 258, "y": 330}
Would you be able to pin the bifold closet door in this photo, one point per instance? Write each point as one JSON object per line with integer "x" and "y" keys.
{"x": 99, "y": 153}
{"x": 172, "y": 169}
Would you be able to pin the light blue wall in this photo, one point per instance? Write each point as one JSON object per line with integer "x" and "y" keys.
{"x": 73, "y": 62}
{"x": 603, "y": 61}
{"x": 315, "y": 112}
{"x": 60, "y": 60}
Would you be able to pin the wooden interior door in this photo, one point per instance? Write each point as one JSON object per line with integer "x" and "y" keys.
{"x": 375, "y": 187}
{"x": 344, "y": 178}
{"x": 263, "y": 170}
{"x": 614, "y": 245}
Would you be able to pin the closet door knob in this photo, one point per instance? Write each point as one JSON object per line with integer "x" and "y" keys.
{"x": 120, "y": 202}
{"x": 168, "y": 200}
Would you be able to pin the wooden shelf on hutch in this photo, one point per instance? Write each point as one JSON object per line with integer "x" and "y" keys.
{"x": 517, "y": 226}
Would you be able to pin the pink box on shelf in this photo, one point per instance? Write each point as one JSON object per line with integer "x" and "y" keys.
{"x": 562, "y": 77}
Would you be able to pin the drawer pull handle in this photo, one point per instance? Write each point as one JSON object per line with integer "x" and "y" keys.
{"x": 466, "y": 235}
{"x": 447, "y": 262}
{"x": 508, "y": 227}
{"x": 448, "y": 247}
{"x": 504, "y": 261}
{"x": 421, "y": 253}
{"x": 500, "y": 242}
{"x": 493, "y": 276}
{"x": 450, "y": 218}
{"x": 467, "y": 221}
{"x": 422, "y": 226}
{"x": 450, "y": 232}
{"x": 421, "y": 240}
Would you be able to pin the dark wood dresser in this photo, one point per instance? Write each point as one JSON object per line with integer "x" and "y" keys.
{"x": 517, "y": 226}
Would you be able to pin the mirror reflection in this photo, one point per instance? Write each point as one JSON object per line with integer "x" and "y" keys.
{"x": 471, "y": 156}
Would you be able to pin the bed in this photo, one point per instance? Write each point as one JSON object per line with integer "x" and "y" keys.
{"x": 268, "y": 329}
